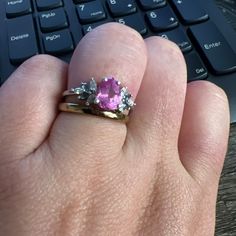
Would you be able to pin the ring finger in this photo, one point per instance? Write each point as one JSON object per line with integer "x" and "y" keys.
{"x": 109, "y": 50}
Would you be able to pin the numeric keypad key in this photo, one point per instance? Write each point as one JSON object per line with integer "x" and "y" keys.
{"x": 190, "y": 11}
{"x": 89, "y": 27}
{"x": 162, "y": 19}
{"x": 196, "y": 69}
{"x": 90, "y": 11}
{"x": 121, "y": 7}
{"x": 134, "y": 21}
{"x": 179, "y": 37}
{"x": 214, "y": 47}
{"x": 152, "y": 4}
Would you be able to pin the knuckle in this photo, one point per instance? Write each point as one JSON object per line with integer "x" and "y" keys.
{"x": 116, "y": 35}
{"x": 170, "y": 56}
{"x": 166, "y": 45}
{"x": 120, "y": 29}
{"x": 175, "y": 52}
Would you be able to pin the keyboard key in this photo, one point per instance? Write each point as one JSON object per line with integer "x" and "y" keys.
{"x": 53, "y": 20}
{"x": 196, "y": 69}
{"x": 89, "y": 27}
{"x": 44, "y": 5}
{"x": 21, "y": 39}
{"x": 152, "y": 4}
{"x": 214, "y": 48}
{"x": 179, "y": 37}
{"x": 17, "y": 8}
{"x": 58, "y": 42}
{"x": 162, "y": 19}
{"x": 81, "y": 1}
{"x": 91, "y": 11}
{"x": 134, "y": 21}
{"x": 190, "y": 11}
{"x": 121, "y": 7}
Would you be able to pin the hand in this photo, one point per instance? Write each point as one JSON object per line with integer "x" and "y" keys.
{"x": 69, "y": 174}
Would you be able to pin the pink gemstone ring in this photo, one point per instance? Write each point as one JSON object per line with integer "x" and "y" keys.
{"x": 106, "y": 96}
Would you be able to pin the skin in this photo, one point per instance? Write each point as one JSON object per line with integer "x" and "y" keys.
{"x": 69, "y": 174}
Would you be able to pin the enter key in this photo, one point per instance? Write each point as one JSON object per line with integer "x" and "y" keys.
{"x": 214, "y": 48}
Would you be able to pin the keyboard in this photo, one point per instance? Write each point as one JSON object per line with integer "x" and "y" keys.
{"x": 55, "y": 27}
{"x": 228, "y": 8}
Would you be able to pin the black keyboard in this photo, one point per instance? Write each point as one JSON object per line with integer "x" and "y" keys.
{"x": 29, "y": 27}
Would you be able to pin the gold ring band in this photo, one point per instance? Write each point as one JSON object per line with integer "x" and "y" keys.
{"x": 69, "y": 93}
{"x": 107, "y": 98}
{"x": 80, "y": 109}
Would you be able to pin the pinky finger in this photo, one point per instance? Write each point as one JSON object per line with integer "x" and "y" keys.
{"x": 204, "y": 132}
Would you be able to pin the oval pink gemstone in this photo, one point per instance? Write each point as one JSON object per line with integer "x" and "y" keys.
{"x": 109, "y": 94}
